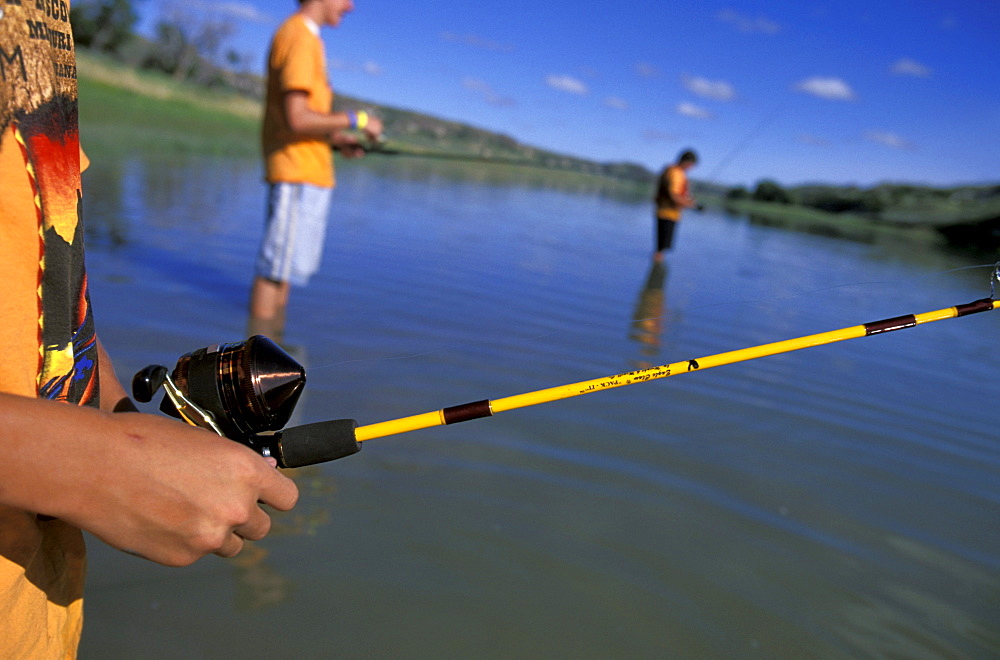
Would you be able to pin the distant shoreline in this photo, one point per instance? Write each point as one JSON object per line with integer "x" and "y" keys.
{"x": 125, "y": 110}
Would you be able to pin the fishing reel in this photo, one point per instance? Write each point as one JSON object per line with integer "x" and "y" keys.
{"x": 247, "y": 391}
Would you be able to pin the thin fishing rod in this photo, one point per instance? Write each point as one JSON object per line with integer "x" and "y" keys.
{"x": 247, "y": 391}
{"x": 379, "y": 148}
{"x": 382, "y": 150}
{"x": 487, "y": 408}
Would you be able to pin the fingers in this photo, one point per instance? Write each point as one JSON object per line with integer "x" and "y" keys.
{"x": 374, "y": 128}
{"x": 279, "y": 491}
{"x": 256, "y": 527}
{"x": 232, "y": 547}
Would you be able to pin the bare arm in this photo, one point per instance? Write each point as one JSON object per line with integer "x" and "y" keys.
{"x": 113, "y": 396}
{"x": 676, "y": 189}
{"x": 304, "y": 121}
{"x": 146, "y": 484}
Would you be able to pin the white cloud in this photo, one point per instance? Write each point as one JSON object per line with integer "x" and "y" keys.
{"x": 243, "y": 11}
{"x": 371, "y": 68}
{"x": 814, "y": 140}
{"x": 693, "y": 111}
{"x": 888, "y": 139}
{"x": 646, "y": 70}
{"x": 616, "y": 103}
{"x": 832, "y": 89}
{"x": 476, "y": 85}
{"x": 488, "y": 93}
{"x": 747, "y": 24}
{"x": 908, "y": 67}
{"x": 717, "y": 90}
{"x": 476, "y": 42}
{"x": 566, "y": 84}
{"x": 654, "y": 135}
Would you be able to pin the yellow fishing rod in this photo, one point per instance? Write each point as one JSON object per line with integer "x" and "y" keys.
{"x": 486, "y": 408}
{"x": 247, "y": 391}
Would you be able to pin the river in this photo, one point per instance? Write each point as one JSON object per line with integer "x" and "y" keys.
{"x": 837, "y": 502}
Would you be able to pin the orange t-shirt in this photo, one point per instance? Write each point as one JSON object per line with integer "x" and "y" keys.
{"x": 672, "y": 180}
{"x": 46, "y": 328}
{"x": 296, "y": 63}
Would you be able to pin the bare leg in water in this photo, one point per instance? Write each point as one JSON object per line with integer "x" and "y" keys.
{"x": 268, "y": 302}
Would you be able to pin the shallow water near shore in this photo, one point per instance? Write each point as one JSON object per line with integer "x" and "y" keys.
{"x": 841, "y": 501}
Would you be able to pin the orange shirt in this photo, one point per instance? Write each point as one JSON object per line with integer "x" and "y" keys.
{"x": 296, "y": 63}
{"x": 673, "y": 180}
{"x": 46, "y": 328}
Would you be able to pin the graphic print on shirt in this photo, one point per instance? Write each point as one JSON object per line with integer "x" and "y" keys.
{"x": 38, "y": 110}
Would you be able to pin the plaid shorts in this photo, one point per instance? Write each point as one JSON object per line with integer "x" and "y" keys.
{"x": 294, "y": 232}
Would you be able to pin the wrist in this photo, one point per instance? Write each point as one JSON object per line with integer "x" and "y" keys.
{"x": 357, "y": 120}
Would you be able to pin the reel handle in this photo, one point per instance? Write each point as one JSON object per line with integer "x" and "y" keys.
{"x": 147, "y": 381}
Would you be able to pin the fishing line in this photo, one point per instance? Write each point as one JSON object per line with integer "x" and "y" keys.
{"x": 443, "y": 349}
{"x": 835, "y": 287}
{"x": 756, "y": 130}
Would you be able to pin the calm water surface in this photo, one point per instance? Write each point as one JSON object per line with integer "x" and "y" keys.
{"x": 837, "y": 502}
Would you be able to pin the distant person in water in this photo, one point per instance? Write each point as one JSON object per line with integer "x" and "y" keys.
{"x": 672, "y": 197}
{"x": 298, "y": 132}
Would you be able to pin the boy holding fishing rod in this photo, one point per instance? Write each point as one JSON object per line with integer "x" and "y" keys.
{"x": 298, "y": 131}
{"x": 76, "y": 455}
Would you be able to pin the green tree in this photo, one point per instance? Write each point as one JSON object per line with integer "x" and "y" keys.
{"x": 103, "y": 25}
{"x": 770, "y": 191}
{"x": 186, "y": 48}
{"x": 737, "y": 193}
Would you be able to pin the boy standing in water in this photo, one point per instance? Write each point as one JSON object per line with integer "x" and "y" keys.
{"x": 298, "y": 132}
{"x": 76, "y": 455}
{"x": 672, "y": 196}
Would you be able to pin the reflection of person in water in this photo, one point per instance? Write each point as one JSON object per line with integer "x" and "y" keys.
{"x": 647, "y": 320}
{"x": 672, "y": 197}
{"x": 260, "y": 584}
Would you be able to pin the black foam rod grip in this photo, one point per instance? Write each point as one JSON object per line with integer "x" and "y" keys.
{"x": 317, "y": 443}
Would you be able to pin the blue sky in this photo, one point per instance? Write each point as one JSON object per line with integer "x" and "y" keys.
{"x": 848, "y": 92}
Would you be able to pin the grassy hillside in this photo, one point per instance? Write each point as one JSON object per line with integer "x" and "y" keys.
{"x": 123, "y": 107}
{"x": 125, "y": 110}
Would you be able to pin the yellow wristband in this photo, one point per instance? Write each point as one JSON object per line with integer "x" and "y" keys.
{"x": 362, "y": 120}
